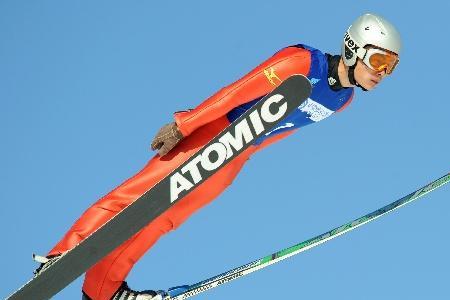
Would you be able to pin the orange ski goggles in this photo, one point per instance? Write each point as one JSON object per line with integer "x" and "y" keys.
{"x": 380, "y": 60}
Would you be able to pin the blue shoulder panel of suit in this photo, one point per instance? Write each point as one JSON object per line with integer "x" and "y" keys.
{"x": 322, "y": 103}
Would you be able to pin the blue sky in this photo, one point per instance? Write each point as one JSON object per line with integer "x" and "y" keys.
{"x": 84, "y": 86}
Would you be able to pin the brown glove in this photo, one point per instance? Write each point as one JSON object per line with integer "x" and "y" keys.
{"x": 166, "y": 138}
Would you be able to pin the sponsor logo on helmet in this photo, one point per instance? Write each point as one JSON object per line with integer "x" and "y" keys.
{"x": 348, "y": 53}
{"x": 272, "y": 76}
{"x": 350, "y": 44}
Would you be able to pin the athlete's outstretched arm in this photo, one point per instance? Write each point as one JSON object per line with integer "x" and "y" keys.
{"x": 257, "y": 83}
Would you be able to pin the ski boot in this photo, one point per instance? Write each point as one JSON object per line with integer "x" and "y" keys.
{"x": 125, "y": 293}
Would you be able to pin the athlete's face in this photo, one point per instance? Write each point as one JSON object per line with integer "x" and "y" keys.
{"x": 366, "y": 77}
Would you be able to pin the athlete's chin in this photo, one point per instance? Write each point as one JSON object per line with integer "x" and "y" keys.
{"x": 370, "y": 85}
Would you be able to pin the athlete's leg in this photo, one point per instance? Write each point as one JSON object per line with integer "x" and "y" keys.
{"x": 156, "y": 169}
{"x": 105, "y": 277}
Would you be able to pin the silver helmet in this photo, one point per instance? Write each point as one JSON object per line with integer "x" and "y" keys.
{"x": 369, "y": 29}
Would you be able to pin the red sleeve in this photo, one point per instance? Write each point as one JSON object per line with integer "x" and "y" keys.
{"x": 257, "y": 83}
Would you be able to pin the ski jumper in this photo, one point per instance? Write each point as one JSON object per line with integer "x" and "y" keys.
{"x": 199, "y": 126}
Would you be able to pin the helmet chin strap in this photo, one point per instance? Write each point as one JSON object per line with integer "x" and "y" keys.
{"x": 351, "y": 77}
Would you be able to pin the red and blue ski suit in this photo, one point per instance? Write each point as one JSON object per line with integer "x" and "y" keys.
{"x": 199, "y": 126}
